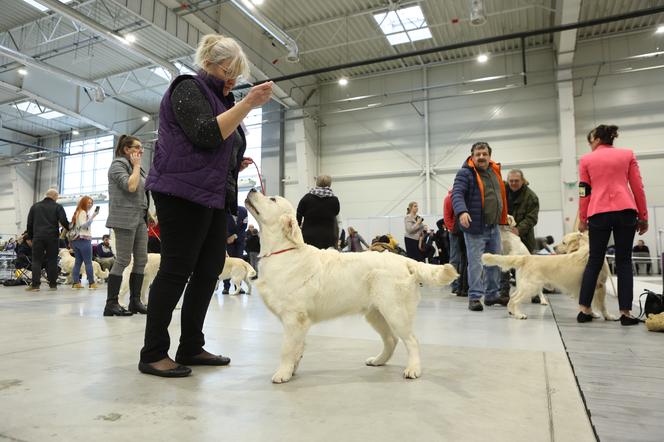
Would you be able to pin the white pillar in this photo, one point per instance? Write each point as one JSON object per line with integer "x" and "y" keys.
{"x": 567, "y": 146}
{"x": 306, "y": 157}
{"x": 427, "y": 142}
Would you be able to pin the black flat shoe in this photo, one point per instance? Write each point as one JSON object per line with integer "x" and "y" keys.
{"x": 535, "y": 299}
{"x": 178, "y": 372}
{"x": 582, "y": 317}
{"x": 628, "y": 320}
{"x": 194, "y": 360}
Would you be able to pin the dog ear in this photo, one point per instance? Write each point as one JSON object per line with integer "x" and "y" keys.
{"x": 290, "y": 229}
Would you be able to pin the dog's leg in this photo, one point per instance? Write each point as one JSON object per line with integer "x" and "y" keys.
{"x": 400, "y": 321}
{"x": 523, "y": 289}
{"x": 238, "y": 285}
{"x": 377, "y": 321}
{"x": 599, "y": 301}
{"x": 543, "y": 300}
{"x": 296, "y": 326}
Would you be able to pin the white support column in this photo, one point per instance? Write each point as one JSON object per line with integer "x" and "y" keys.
{"x": 305, "y": 154}
{"x": 427, "y": 142}
{"x": 567, "y": 145}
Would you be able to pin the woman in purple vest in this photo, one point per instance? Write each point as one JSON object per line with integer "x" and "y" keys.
{"x": 193, "y": 181}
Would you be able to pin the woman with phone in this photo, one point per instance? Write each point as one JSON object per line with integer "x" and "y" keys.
{"x": 413, "y": 226}
{"x": 82, "y": 244}
{"x": 127, "y": 215}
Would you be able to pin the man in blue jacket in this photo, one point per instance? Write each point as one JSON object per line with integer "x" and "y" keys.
{"x": 480, "y": 203}
{"x": 236, "y": 233}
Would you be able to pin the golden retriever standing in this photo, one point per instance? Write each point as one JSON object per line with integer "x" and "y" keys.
{"x": 303, "y": 285}
{"x": 563, "y": 271}
{"x": 149, "y": 273}
{"x": 237, "y": 270}
{"x": 66, "y": 264}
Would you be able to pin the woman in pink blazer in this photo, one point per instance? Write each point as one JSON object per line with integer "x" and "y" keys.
{"x": 612, "y": 199}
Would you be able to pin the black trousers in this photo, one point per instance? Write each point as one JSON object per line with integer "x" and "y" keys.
{"x": 49, "y": 247}
{"x": 600, "y": 226}
{"x": 193, "y": 249}
{"x": 413, "y": 249}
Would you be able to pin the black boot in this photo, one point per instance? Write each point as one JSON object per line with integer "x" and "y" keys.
{"x": 135, "y": 304}
{"x": 113, "y": 308}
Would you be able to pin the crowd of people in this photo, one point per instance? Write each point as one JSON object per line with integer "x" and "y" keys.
{"x": 193, "y": 180}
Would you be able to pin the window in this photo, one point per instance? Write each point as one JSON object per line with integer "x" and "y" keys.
{"x": 85, "y": 172}
{"x": 403, "y": 25}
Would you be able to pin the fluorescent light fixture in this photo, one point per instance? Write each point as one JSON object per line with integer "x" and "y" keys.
{"x": 34, "y": 109}
{"x": 257, "y": 2}
{"x": 343, "y": 81}
{"x": 161, "y": 72}
{"x": 74, "y": 132}
{"x": 660, "y": 29}
{"x": 183, "y": 69}
{"x": 22, "y": 71}
{"x": 41, "y": 7}
{"x": 130, "y": 38}
{"x": 145, "y": 118}
{"x": 482, "y": 58}
{"x": 403, "y": 25}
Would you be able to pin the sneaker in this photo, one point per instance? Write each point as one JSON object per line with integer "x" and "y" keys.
{"x": 224, "y": 292}
{"x": 31, "y": 289}
{"x": 628, "y": 320}
{"x": 582, "y": 317}
{"x": 475, "y": 306}
{"x": 462, "y": 294}
{"x": 93, "y": 286}
{"x": 53, "y": 287}
{"x": 500, "y": 300}
{"x": 242, "y": 292}
{"x": 77, "y": 285}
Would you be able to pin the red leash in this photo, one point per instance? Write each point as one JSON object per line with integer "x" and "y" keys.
{"x": 260, "y": 177}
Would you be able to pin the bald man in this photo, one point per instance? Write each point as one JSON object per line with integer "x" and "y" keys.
{"x": 43, "y": 234}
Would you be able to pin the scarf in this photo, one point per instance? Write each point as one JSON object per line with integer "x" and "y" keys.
{"x": 323, "y": 192}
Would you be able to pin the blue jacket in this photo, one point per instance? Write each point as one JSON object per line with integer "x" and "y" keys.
{"x": 468, "y": 195}
{"x": 237, "y": 226}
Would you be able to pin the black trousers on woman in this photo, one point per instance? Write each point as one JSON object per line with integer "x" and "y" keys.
{"x": 600, "y": 226}
{"x": 193, "y": 249}
{"x": 413, "y": 249}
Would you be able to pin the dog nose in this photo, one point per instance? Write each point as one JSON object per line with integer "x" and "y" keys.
{"x": 252, "y": 190}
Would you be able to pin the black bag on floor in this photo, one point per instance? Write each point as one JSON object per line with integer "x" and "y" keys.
{"x": 654, "y": 303}
{"x": 13, "y": 282}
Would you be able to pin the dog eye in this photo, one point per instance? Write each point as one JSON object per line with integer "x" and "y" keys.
{"x": 274, "y": 199}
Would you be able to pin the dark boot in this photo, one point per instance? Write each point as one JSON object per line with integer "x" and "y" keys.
{"x": 113, "y": 308}
{"x": 135, "y": 304}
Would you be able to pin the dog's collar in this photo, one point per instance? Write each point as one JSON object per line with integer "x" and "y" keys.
{"x": 278, "y": 252}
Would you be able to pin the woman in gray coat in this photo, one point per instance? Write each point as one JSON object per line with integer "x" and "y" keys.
{"x": 127, "y": 214}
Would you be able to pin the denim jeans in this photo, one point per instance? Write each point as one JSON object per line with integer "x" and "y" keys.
{"x": 454, "y": 258}
{"x": 482, "y": 280}
{"x": 83, "y": 253}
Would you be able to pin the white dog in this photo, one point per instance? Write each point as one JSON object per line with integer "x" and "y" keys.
{"x": 563, "y": 271}
{"x": 151, "y": 269}
{"x": 303, "y": 285}
{"x": 237, "y": 270}
{"x": 511, "y": 244}
{"x": 67, "y": 265}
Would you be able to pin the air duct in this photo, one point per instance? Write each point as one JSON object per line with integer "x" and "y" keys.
{"x": 477, "y": 17}
{"x": 69, "y": 77}
{"x": 275, "y": 31}
{"x": 110, "y": 35}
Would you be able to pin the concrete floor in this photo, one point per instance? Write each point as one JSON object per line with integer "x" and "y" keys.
{"x": 68, "y": 373}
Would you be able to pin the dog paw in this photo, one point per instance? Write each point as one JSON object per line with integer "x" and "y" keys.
{"x": 282, "y": 376}
{"x": 609, "y": 317}
{"x": 543, "y": 301}
{"x": 374, "y": 362}
{"x": 596, "y": 315}
{"x": 412, "y": 372}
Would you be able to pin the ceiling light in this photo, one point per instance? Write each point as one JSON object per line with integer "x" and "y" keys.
{"x": 257, "y": 2}
{"x": 343, "y": 81}
{"x": 660, "y": 29}
{"x": 74, "y": 132}
{"x": 130, "y": 38}
{"x": 482, "y": 58}
{"x": 145, "y": 118}
{"x": 22, "y": 71}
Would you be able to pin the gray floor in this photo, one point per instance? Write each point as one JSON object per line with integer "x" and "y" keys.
{"x": 620, "y": 371}
{"x": 67, "y": 373}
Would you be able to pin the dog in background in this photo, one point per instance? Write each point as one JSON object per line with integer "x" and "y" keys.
{"x": 303, "y": 285}
{"x": 512, "y": 245}
{"x": 151, "y": 269}
{"x": 563, "y": 271}
{"x": 67, "y": 265}
{"x": 237, "y": 270}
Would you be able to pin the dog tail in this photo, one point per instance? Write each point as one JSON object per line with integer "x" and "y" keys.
{"x": 505, "y": 262}
{"x": 432, "y": 274}
{"x": 251, "y": 274}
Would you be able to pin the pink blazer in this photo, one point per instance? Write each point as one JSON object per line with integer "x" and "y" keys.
{"x": 615, "y": 183}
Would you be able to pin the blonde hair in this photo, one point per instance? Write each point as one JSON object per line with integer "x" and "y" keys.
{"x": 410, "y": 206}
{"x": 323, "y": 181}
{"x": 215, "y": 48}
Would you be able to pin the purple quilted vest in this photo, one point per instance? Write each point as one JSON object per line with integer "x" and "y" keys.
{"x": 179, "y": 168}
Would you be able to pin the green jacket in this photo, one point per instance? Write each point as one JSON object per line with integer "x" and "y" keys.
{"x": 525, "y": 210}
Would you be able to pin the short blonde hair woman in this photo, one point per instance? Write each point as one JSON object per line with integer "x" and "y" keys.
{"x": 193, "y": 180}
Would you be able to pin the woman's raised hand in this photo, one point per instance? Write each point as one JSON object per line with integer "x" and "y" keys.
{"x": 259, "y": 95}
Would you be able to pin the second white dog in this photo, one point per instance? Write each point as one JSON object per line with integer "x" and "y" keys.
{"x": 151, "y": 269}
{"x": 67, "y": 265}
{"x": 237, "y": 270}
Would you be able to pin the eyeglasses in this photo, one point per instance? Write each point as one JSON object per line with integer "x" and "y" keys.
{"x": 139, "y": 147}
{"x": 226, "y": 72}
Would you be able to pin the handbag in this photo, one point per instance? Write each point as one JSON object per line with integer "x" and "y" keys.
{"x": 73, "y": 233}
{"x": 654, "y": 303}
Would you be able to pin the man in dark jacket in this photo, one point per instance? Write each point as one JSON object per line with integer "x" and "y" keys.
{"x": 253, "y": 246}
{"x": 236, "y": 228}
{"x": 317, "y": 215}
{"x": 523, "y": 205}
{"x": 480, "y": 203}
{"x": 43, "y": 235}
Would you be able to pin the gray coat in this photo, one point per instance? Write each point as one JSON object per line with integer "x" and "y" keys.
{"x": 125, "y": 209}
